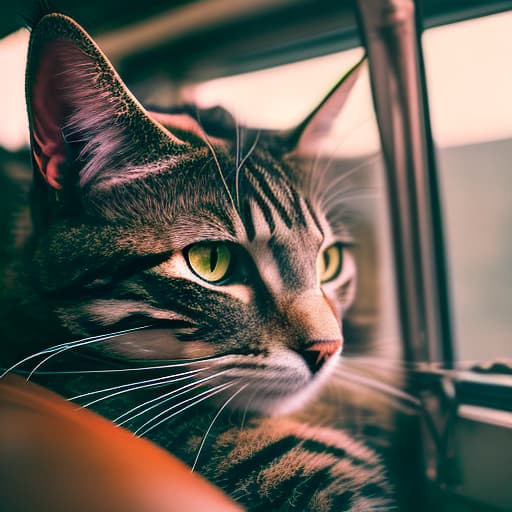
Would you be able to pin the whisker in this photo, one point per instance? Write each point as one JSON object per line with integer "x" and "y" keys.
{"x": 347, "y": 173}
{"x": 331, "y": 159}
{"x": 386, "y": 389}
{"x": 356, "y": 193}
{"x": 131, "y": 384}
{"x": 396, "y": 375}
{"x": 73, "y": 344}
{"x": 237, "y": 149}
{"x": 205, "y": 395}
{"x": 332, "y": 190}
{"x": 376, "y": 385}
{"x": 52, "y": 355}
{"x": 213, "y": 421}
{"x": 408, "y": 365}
{"x": 162, "y": 399}
{"x": 241, "y": 164}
{"x": 142, "y": 386}
{"x": 244, "y": 416}
{"x": 172, "y": 364}
{"x": 217, "y": 163}
{"x": 341, "y": 140}
{"x": 365, "y": 364}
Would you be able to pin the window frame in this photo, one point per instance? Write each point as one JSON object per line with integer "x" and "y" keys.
{"x": 460, "y": 405}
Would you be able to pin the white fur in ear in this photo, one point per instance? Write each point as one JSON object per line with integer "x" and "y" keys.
{"x": 85, "y": 124}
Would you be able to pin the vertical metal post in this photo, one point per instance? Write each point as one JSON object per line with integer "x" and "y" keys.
{"x": 389, "y": 28}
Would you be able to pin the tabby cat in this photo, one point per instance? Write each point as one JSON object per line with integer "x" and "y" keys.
{"x": 184, "y": 285}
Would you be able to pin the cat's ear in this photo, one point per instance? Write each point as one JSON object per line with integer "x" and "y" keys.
{"x": 317, "y": 124}
{"x": 86, "y": 127}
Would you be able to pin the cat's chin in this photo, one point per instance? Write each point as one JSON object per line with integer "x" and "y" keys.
{"x": 287, "y": 403}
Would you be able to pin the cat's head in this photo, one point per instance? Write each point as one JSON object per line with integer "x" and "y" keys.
{"x": 168, "y": 221}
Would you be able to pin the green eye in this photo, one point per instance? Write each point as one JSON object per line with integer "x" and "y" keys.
{"x": 210, "y": 260}
{"x": 330, "y": 262}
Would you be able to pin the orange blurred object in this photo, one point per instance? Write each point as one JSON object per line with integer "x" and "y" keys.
{"x": 54, "y": 457}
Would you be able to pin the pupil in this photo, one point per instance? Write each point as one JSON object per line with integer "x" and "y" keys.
{"x": 326, "y": 261}
{"x": 214, "y": 256}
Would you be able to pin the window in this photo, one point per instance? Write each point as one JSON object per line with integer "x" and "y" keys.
{"x": 468, "y": 84}
{"x": 469, "y": 88}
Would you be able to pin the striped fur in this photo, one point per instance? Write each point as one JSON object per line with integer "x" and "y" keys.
{"x": 120, "y": 195}
{"x": 276, "y": 464}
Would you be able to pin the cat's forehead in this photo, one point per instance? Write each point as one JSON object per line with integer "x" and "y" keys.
{"x": 257, "y": 197}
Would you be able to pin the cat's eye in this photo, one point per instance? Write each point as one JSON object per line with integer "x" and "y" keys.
{"x": 210, "y": 261}
{"x": 330, "y": 262}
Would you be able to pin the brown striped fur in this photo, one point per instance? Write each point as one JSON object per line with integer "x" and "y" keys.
{"x": 119, "y": 196}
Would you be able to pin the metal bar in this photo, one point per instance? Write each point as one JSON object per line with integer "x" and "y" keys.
{"x": 389, "y": 28}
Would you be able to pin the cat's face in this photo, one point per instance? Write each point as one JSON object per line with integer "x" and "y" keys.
{"x": 145, "y": 219}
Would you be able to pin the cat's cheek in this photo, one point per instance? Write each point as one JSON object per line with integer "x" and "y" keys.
{"x": 197, "y": 349}
{"x": 158, "y": 344}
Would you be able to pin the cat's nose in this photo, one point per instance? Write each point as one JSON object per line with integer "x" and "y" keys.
{"x": 317, "y": 352}
{"x": 312, "y": 314}
{"x": 319, "y": 335}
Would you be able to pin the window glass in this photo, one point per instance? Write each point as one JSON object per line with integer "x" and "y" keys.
{"x": 469, "y": 84}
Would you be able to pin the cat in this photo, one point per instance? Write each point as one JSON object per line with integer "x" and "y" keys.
{"x": 173, "y": 278}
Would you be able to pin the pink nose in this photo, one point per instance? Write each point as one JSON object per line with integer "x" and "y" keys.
{"x": 317, "y": 352}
